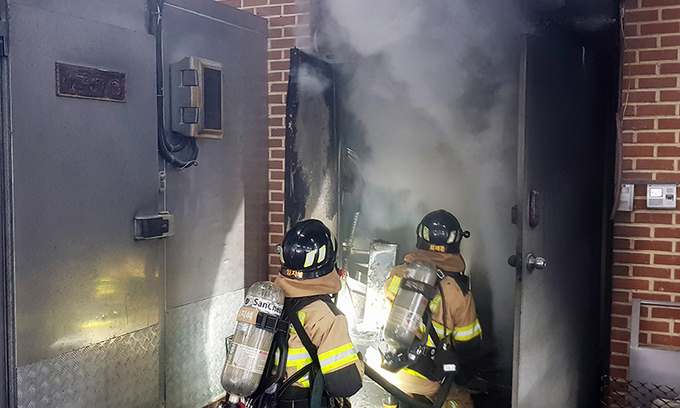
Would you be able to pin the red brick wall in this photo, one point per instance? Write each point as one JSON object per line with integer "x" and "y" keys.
{"x": 647, "y": 242}
{"x": 288, "y": 27}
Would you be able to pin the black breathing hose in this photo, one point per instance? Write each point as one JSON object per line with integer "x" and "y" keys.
{"x": 165, "y": 148}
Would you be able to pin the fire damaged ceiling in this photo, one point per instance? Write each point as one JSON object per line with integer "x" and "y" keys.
{"x": 572, "y": 15}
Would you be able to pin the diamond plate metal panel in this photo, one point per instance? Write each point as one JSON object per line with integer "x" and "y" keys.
{"x": 120, "y": 372}
{"x": 195, "y": 349}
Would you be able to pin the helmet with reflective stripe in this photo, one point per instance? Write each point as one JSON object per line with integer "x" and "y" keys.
{"x": 440, "y": 231}
{"x": 308, "y": 251}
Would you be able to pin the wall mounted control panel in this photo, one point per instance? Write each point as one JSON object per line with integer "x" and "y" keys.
{"x": 196, "y": 98}
{"x": 661, "y": 195}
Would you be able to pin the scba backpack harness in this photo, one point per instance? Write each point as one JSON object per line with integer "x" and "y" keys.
{"x": 275, "y": 392}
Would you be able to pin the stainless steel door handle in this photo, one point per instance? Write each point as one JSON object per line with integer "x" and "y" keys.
{"x": 535, "y": 262}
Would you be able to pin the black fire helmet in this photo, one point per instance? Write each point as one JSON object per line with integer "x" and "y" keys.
{"x": 440, "y": 231}
{"x": 308, "y": 251}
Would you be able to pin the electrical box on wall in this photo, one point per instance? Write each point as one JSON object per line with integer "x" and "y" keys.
{"x": 661, "y": 196}
{"x": 196, "y": 98}
{"x": 626, "y": 198}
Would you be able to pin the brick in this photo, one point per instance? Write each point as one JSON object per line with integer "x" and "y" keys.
{"x": 651, "y": 296}
{"x": 661, "y": 286}
{"x": 625, "y": 231}
{"x": 667, "y": 232}
{"x": 657, "y": 82}
{"x": 620, "y": 334}
{"x": 279, "y": 87}
{"x": 253, "y": 3}
{"x": 621, "y": 270}
{"x": 619, "y": 296}
{"x": 269, "y": 11}
{"x": 638, "y": 124}
{"x": 275, "y": 98}
{"x": 282, "y": 43}
{"x": 668, "y": 151}
{"x": 279, "y": 65}
{"x": 284, "y": 21}
{"x": 666, "y": 313}
{"x": 296, "y": 8}
{"x": 276, "y": 196}
{"x": 639, "y": 96}
{"x": 619, "y": 347}
{"x": 670, "y": 41}
{"x": 281, "y": 1}
{"x": 277, "y": 153}
{"x": 629, "y": 83}
{"x": 658, "y": 164}
{"x": 674, "y": 177}
{"x": 670, "y": 14}
{"x": 665, "y": 246}
{"x": 631, "y": 30}
{"x": 657, "y": 3}
{"x": 661, "y": 55}
{"x": 669, "y": 123}
{"x": 620, "y": 322}
{"x": 655, "y": 137}
{"x": 276, "y": 218}
{"x": 303, "y": 19}
{"x": 630, "y": 283}
{"x": 627, "y": 137}
{"x": 655, "y": 110}
{"x": 669, "y": 68}
{"x": 642, "y": 16}
{"x": 275, "y": 32}
{"x": 275, "y": 164}
{"x": 629, "y": 111}
{"x": 665, "y": 340}
{"x": 640, "y": 204}
{"x": 275, "y": 76}
{"x": 275, "y": 239}
{"x": 275, "y": 55}
{"x": 651, "y": 272}
{"x": 276, "y": 207}
{"x": 275, "y": 143}
{"x": 653, "y": 218}
{"x": 638, "y": 151}
{"x": 277, "y": 110}
{"x": 640, "y": 69}
{"x": 276, "y": 228}
{"x": 669, "y": 96}
{"x": 659, "y": 28}
{"x": 276, "y": 121}
{"x": 627, "y": 164}
{"x": 277, "y": 175}
{"x": 620, "y": 243}
{"x": 619, "y": 373}
{"x": 620, "y": 309}
{"x": 619, "y": 360}
{"x": 277, "y": 132}
{"x": 654, "y": 326}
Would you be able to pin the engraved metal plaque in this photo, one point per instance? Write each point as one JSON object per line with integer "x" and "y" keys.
{"x": 90, "y": 83}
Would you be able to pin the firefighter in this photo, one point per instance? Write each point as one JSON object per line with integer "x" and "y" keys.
{"x": 438, "y": 241}
{"x": 308, "y": 277}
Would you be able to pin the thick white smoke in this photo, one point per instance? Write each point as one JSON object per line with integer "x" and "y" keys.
{"x": 433, "y": 86}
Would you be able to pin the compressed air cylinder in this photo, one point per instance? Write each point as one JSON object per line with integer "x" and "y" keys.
{"x": 409, "y": 305}
{"x": 251, "y": 345}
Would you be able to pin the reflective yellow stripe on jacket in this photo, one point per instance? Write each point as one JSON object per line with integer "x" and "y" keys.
{"x": 331, "y": 360}
{"x": 468, "y": 332}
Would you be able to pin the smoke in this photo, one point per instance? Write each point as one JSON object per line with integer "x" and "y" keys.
{"x": 432, "y": 87}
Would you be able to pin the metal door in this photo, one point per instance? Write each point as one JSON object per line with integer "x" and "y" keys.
{"x": 312, "y": 145}
{"x": 559, "y": 222}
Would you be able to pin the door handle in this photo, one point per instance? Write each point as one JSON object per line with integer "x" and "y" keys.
{"x": 535, "y": 262}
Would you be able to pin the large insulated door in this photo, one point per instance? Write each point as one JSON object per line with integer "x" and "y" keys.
{"x": 312, "y": 144}
{"x": 220, "y": 206}
{"x": 559, "y": 224}
{"x": 85, "y": 164}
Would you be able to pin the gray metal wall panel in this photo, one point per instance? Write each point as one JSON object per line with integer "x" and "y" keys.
{"x": 120, "y": 372}
{"x": 196, "y": 350}
{"x": 84, "y": 169}
{"x": 213, "y": 214}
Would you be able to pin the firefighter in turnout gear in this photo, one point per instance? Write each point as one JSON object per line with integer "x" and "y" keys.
{"x": 308, "y": 278}
{"x": 438, "y": 242}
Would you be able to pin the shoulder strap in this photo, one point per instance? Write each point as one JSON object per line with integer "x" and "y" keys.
{"x": 462, "y": 280}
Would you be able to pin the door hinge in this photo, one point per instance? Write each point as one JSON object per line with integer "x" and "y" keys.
{"x": 157, "y": 226}
{"x": 513, "y": 214}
